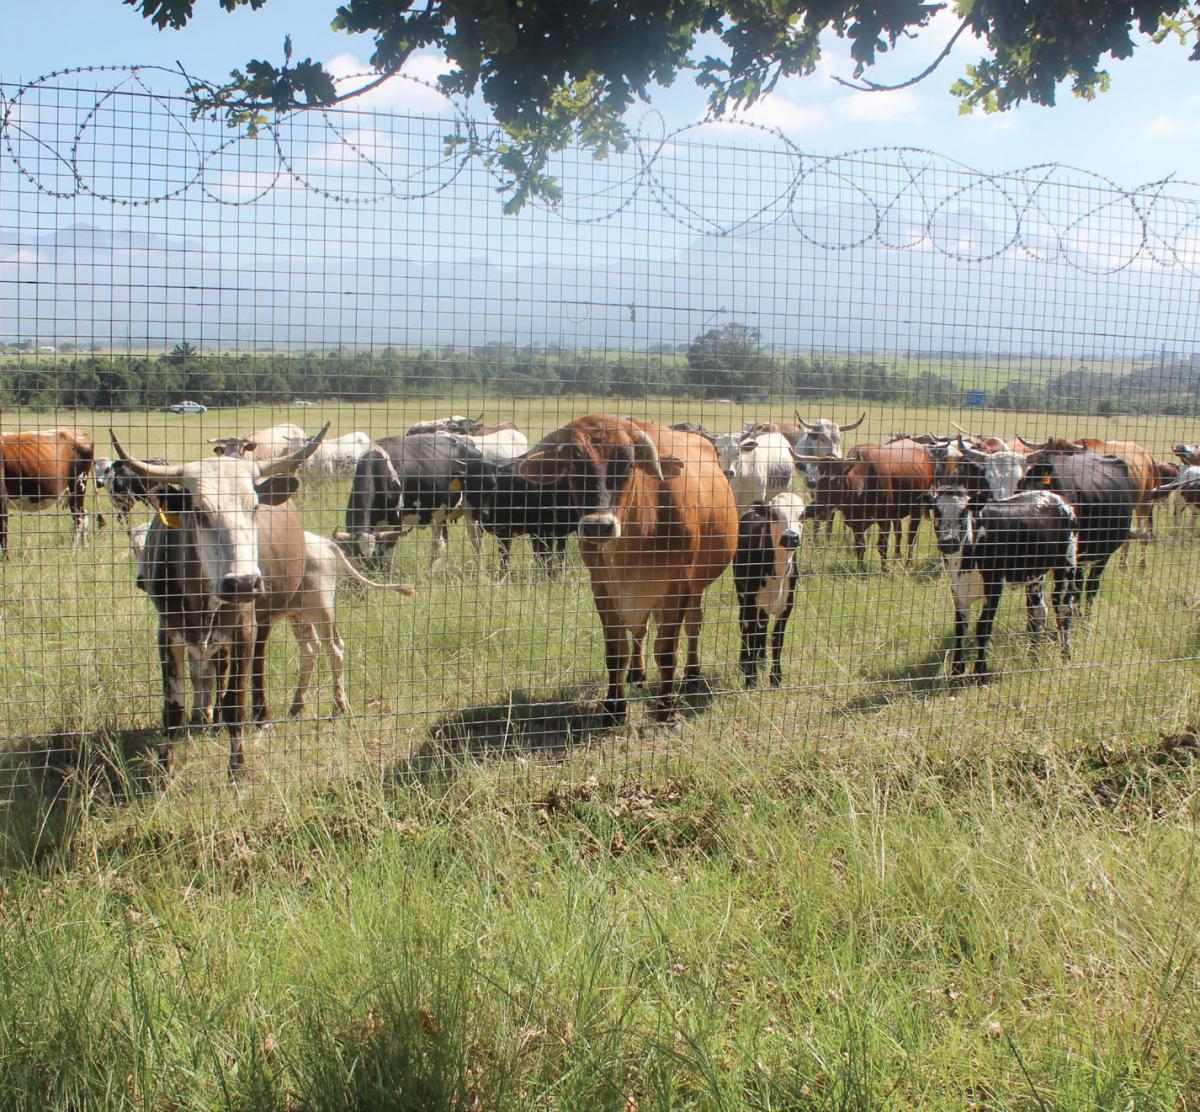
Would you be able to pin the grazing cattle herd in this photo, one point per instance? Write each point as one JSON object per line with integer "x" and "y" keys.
{"x": 659, "y": 514}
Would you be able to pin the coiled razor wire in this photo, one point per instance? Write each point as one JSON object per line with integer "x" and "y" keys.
{"x": 1158, "y": 222}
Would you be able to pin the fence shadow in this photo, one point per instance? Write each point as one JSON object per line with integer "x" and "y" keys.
{"x": 46, "y": 785}
{"x": 909, "y": 677}
{"x": 523, "y": 724}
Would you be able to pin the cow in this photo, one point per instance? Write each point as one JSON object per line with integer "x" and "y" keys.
{"x": 508, "y": 506}
{"x": 224, "y": 559}
{"x": 658, "y": 524}
{"x": 465, "y": 426}
{"x": 338, "y": 456}
{"x": 1143, "y": 479}
{"x": 264, "y": 444}
{"x": 313, "y": 617}
{"x": 762, "y": 468}
{"x": 877, "y": 484}
{"x": 764, "y": 576}
{"x": 821, "y": 437}
{"x": 1000, "y": 470}
{"x": 124, "y": 487}
{"x": 402, "y": 482}
{"x": 693, "y": 427}
{"x": 43, "y": 469}
{"x": 1097, "y": 488}
{"x": 986, "y": 543}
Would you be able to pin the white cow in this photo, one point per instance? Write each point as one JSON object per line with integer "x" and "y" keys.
{"x": 338, "y": 456}
{"x": 312, "y": 612}
{"x": 262, "y": 444}
{"x": 763, "y": 468}
{"x": 502, "y": 445}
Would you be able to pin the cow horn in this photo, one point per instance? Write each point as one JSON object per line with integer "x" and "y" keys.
{"x": 1032, "y": 446}
{"x": 811, "y": 428}
{"x": 968, "y": 451}
{"x": 644, "y": 451}
{"x": 387, "y": 534}
{"x": 559, "y": 438}
{"x": 963, "y": 432}
{"x": 163, "y": 472}
{"x": 861, "y": 418}
{"x": 343, "y": 535}
{"x": 285, "y": 465}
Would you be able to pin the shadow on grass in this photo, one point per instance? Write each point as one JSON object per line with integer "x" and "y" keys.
{"x": 910, "y": 677}
{"x": 525, "y": 725}
{"x": 47, "y": 783}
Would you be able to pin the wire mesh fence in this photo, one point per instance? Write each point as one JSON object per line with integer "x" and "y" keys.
{"x": 853, "y": 344}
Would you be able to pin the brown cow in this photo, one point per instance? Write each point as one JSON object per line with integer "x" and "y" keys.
{"x": 42, "y": 469}
{"x": 1143, "y": 479}
{"x": 877, "y": 484}
{"x": 658, "y": 524}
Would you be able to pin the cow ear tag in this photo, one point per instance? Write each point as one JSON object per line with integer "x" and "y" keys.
{"x": 456, "y": 485}
{"x": 1047, "y": 479}
{"x": 169, "y": 519}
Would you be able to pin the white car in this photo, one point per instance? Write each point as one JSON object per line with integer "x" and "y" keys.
{"x": 188, "y": 407}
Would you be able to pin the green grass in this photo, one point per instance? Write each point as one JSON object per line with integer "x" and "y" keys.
{"x": 872, "y": 888}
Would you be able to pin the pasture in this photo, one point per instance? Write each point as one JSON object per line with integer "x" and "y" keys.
{"x": 870, "y": 887}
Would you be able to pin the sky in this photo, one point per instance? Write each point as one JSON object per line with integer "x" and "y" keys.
{"x": 1144, "y": 129}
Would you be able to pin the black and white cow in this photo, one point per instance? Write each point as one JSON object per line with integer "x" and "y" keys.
{"x": 125, "y": 487}
{"x": 1018, "y": 540}
{"x": 1098, "y": 488}
{"x": 764, "y": 575}
{"x": 402, "y": 482}
{"x": 508, "y": 506}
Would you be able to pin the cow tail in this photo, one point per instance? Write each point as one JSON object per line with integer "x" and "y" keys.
{"x": 401, "y": 588}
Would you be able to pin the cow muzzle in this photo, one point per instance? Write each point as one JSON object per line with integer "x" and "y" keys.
{"x": 789, "y": 541}
{"x": 240, "y": 587}
{"x": 599, "y": 527}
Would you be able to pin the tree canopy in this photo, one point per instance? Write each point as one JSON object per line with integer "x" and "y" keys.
{"x": 553, "y": 73}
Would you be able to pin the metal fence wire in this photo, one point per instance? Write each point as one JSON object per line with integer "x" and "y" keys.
{"x": 851, "y": 342}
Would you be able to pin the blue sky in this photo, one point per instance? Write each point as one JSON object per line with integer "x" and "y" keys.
{"x": 1144, "y": 129}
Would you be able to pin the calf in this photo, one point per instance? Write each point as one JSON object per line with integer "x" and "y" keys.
{"x": 1012, "y": 540}
{"x": 764, "y": 575}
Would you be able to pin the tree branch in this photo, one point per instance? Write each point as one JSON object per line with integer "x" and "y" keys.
{"x": 874, "y": 87}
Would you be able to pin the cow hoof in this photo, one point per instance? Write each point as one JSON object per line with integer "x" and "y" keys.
{"x": 611, "y": 716}
{"x": 776, "y": 679}
{"x": 635, "y": 678}
{"x": 664, "y": 709}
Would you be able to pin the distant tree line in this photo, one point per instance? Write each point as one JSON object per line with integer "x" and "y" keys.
{"x": 728, "y": 362}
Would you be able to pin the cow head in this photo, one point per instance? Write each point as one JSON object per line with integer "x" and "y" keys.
{"x": 1187, "y": 453}
{"x": 786, "y": 513}
{"x": 102, "y": 469}
{"x": 823, "y": 437}
{"x": 1055, "y": 445}
{"x": 952, "y": 518}
{"x": 477, "y": 481}
{"x": 214, "y": 501}
{"x": 236, "y": 447}
{"x": 605, "y": 461}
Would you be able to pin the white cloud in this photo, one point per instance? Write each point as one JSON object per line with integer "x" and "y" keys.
{"x": 786, "y": 115}
{"x": 879, "y": 108}
{"x": 398, "y": 94}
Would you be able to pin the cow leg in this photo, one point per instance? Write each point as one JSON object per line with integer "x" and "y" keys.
{"x": 309, "y": 644}
{"x": 202, "y": 664}
{"x": 505, "y": 544}
{"x": 992, "y": 589}
{"x": 754, "y": 640}
{"x": 335, "y": 650}
{"x": 1064, "y": 606}
{"x": 1035, "y": 608}
{"x": 543, "y": 551}
{"x": 3, "y": 526}
{"x": 172, "y": 661}
{"x": 778, "y": 632}
{"x": 958, "y": 661}
{"x": 693, "y": 617}
{"x": 666, "y": 656}
{"x": 885, "y": 529}
{"x": 438, "y": 535}
{"x": 914, "y": 527}
{"x": 475, "y": 532}
{"x": 860, "y": 548}
{"x": 242, "y": 644}
{"x": 616, "y": 658}
{"x": 259, "y": 712}
{"x": 636, "y": 674}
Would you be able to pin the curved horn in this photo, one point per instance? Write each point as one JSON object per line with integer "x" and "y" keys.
{"x": 850, "y": 428}
{"x": 969, "y": 452}
{"x": 811, "y": 428}
{"x": 285, "y": 465}
{"x": 559, "y": 438}
{"x": 644, "y": 451}
{"x": 963, "y": 432}
{"x": 1031, "y": 445}
{"x": 162, "y": 472}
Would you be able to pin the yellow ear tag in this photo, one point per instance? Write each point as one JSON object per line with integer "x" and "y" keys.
{"x": 456, "y": 485}
{"x": 170, "y": 520}
{"x": 1047, "y": 479}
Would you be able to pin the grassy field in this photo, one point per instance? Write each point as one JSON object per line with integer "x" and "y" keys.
{"x": 871, "y": 888}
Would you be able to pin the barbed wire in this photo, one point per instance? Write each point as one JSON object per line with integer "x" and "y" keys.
{"x": 60, "y": 133}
